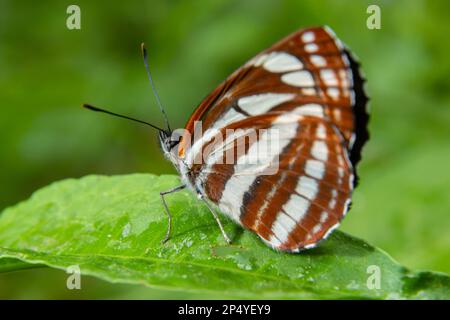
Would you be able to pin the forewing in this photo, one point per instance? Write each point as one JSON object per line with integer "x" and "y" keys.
{"x": 310, "y": 67}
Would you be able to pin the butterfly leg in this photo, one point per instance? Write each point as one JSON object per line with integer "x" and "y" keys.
{"x": 216, "y": 217}
{"x": 166, "y": 208}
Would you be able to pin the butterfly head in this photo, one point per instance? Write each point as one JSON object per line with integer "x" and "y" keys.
{"x": 169, "y": 141}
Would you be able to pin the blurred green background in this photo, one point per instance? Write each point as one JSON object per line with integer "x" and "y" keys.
{"x": 47, "y": 71}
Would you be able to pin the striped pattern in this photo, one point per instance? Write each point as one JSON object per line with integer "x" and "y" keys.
{"x": 308, "y": 89}
{"x": 281, "y": 208}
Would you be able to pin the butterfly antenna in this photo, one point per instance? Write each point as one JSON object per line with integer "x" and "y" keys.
{"x": 144, "y": 55}
{"x": 90, "y": 107}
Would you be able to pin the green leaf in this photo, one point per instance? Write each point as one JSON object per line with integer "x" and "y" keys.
{"x": 111, "y": 228}
{"x": 10, "y": 264}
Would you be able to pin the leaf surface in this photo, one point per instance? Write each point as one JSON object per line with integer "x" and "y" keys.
{"x": 111, "y": 227}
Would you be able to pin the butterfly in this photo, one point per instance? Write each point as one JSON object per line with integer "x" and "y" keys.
{"x": 308, "y": 89}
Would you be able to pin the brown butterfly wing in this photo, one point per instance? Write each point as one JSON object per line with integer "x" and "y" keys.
{"x": 309, "y": 88}
{"x": 296, "y": 205}
{"x": 337, "y": 84}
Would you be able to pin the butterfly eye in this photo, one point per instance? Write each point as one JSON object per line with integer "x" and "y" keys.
{"x": 173, "y": 143}
{"x": 173, "y": 140}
